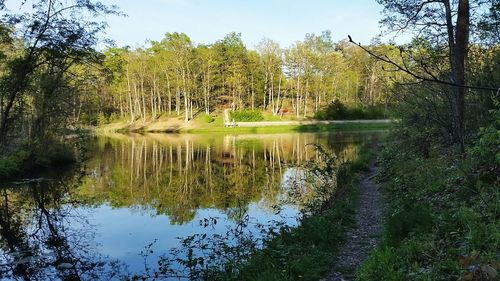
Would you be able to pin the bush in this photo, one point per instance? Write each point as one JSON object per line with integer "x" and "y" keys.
{"x": 339, "y": 111}
{"x": 208, "y": 118}
{"x": 406, "y": 221}
{"x": 101, "y": 119}
{"x": 114, "y": 117}
{"x": 13, "y": 163}
{"x": 384, "y": 264}
{"x": 246, "y": 116}
{"x": 334, "y": 111}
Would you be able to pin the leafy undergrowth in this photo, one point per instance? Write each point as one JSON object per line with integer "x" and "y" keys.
{"x": 443, "y": 222}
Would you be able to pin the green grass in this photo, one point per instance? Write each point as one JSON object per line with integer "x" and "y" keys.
{"x": 290, "y": 128}
{"x": 203, "y": 123}
{"x": 246, "y": 115}
{"x": 308, "y": 251}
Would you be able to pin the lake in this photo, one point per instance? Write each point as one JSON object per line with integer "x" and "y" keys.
{"x": 136, "y": 197}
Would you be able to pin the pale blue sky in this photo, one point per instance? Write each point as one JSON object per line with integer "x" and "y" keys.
{"x": 206, "y": 21}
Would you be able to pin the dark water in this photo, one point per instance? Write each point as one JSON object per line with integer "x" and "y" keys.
{"x": 137, "y": 194}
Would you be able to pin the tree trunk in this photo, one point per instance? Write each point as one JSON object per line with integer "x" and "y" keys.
{"x": 272, "y": 94}
{"x": 297, "y": 103}
{"x": 184, "y": 90}
{"x": 129, "y": 91}
{"x": 278, "y": 102}
{"x": 265, "y": 90}
{"x": 169, "y": 95}
{"x": 458, "y": 41}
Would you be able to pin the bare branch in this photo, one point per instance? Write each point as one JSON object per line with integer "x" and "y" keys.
{"x": 406, "y": 70}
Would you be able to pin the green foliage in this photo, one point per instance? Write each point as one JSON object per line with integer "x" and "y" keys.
{"x": 13, "y": 163}
{"x": 339, "y": 111}
{"x": 409, "y": 219}
{"x": 41, "y": 79}
{"x": 246, "y": 116}
{"x": 335, "y": 110}
{"x": 442, "y": 222}
{"x": 175, "y": 73}
{"x": 362, "y": 161}
{"x": 101, "y": 119}
{"x": 208, "y": 118}
{"x": 486, "y": 150}
{"x": 28, "y": 158}
{"x": 384, "y": 264}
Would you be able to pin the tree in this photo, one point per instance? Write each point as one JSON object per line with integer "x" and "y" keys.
{"x": 56, "y": 35}
{"x": 441, "y": 23}
{"x": 206, "y": 60}
{"x": 175, "y": 76}
{"x": 231, "y": 56}
{"x": 271, "y": 60}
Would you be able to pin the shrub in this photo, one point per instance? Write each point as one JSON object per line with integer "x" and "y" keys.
{"x": 374, "y": 112}
{"x": 246, "y": 116}
{"x": 208, "y": 118}
{"x": 406, "y": 221}
{"x": 336, "y": 110}
{"x": 384, "y": 264}
{"x": 114, "y": 117}
{"x": 355, "y": 113}
{"x": 101, "y": 119}
{"x": 320, "y": 115}
{"x": 13, "y": 163}
{"x": 339, "y": 111}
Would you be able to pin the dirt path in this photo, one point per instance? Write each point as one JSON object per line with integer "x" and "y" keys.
{"x": 362, "y": 238}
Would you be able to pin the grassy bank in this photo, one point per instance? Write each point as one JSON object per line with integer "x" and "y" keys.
{"x": 291, "y": 128}
{"x": 173, "y": 125}
{"x": 443, "y": 221}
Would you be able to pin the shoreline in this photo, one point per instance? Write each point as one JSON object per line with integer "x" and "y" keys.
{"x": 248, "y": 127}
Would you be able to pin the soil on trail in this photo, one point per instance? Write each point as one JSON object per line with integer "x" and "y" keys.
{"x": 362, "y": 238}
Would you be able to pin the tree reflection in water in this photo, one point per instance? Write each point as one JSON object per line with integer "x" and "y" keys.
{"x": 242, "y": 180}
{"x": 43, "y": 237}
{"x": 178, "y": 175}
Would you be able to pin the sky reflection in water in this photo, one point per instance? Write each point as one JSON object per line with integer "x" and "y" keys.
{"x": 137, "y": 189}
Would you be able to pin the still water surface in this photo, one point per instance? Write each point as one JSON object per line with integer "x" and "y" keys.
{"x": 139, "y": 194}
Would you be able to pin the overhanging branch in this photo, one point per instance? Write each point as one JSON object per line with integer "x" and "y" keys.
{"x": 406, "y": 70}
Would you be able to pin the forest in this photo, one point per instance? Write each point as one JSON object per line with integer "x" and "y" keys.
{"x": 175, "y": 77}
{"x": 56, "y": 80}
{"x": 61, "y": 81}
